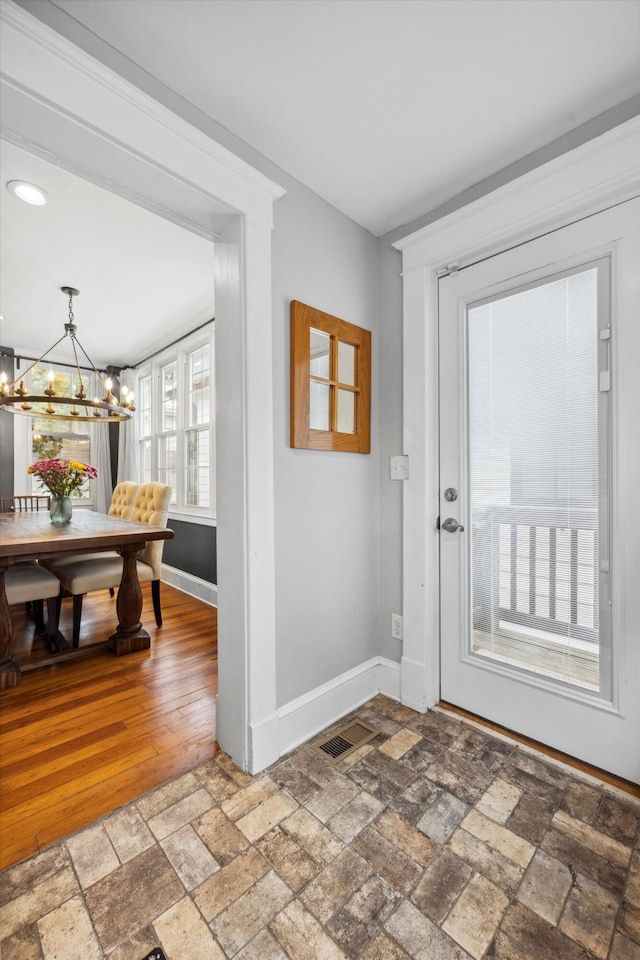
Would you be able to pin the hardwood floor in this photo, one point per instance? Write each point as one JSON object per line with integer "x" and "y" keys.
{"x": 82, "y": 738}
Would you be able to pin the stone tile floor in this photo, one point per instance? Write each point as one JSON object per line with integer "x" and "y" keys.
{"x": 433, "y": 842}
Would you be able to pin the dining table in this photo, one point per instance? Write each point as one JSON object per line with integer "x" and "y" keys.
{"x": 32, "y": 536}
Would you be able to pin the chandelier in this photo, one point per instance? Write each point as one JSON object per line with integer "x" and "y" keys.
{"x": 15, "y": 397}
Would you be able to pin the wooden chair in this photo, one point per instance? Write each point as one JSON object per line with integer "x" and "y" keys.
{"x": 83, "y": 574}
{"x": 24, "y": 503}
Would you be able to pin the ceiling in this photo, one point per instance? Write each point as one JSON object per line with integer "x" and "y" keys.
{"x": 141, "y": 278}
{"x": 385, "y": 108}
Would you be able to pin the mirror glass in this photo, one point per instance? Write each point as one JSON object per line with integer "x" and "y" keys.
{"x": 346, "y": 411}
{"x": 319, "y": 346}
{"x": 318, "y": 405}
{"x": 346, "y": 363}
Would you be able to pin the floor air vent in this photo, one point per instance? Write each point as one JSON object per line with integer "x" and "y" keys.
{"x": 345, "y": 741}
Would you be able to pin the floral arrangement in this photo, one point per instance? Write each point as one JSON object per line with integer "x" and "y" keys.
{"x": 62, "y": 477}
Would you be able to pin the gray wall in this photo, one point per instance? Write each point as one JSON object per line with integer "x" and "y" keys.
{"x": 390, "y": 503}
{"x": 192, "y": 550}
{"x": 326, "y": 502}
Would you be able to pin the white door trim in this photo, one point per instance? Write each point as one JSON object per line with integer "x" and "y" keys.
{"x": 585, "y": 180}
{"x": 62, "y": 104}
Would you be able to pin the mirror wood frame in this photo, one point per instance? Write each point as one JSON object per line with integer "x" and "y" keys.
{"x": 303, "y": 319}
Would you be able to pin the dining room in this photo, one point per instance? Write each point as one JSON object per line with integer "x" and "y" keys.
{"x": 68, "y": 668}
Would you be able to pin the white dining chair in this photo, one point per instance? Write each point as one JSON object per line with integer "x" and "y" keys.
{"x": 26, "y": 581}
{"x": 29, "y": 582}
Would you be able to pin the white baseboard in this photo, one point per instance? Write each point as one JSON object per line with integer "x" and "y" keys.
{"x": 194, "y": 586}
{"x": 390, "y": 678}
{"x": 303, "y": 718}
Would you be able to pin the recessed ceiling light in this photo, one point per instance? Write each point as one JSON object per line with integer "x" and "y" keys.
{"x": 28, "y": 192}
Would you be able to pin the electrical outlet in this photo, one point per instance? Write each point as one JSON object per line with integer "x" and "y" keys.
{"x": 396, "y": 626}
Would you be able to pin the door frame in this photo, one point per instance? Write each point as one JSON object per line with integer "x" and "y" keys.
{"x": 584, "y": 181}
{"x": 65, "y": 106}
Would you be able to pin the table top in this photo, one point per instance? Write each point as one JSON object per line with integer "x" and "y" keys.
{"x": 24, "y": 535}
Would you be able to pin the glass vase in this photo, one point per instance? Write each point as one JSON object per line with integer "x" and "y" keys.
{"x": 60, "y": 509}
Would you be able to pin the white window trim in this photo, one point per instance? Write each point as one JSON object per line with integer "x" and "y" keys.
{"x": 180, "y": 354}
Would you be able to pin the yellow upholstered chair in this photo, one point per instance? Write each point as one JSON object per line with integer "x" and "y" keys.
{"x": 83, "y": 574}
{"x": 124, "y": 497}
{"x": 151, "y": 506}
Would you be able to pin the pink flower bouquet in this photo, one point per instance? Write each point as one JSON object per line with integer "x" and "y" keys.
{"x": 62, "y": 477}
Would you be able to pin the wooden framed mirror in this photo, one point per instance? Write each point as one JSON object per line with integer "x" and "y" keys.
{"x": 330, "y": 382}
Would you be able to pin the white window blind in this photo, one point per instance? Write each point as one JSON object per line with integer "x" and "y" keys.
{"x": 534, "y": 464}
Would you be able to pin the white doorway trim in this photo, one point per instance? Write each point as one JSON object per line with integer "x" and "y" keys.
{"x": 62, "y": 104}
{"x": 590, "y": 178}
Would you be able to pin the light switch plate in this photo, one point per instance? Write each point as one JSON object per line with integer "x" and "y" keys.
{"x": 399, "y": 467}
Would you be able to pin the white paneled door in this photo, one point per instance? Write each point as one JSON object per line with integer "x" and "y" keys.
{"x": 540, "y": 488}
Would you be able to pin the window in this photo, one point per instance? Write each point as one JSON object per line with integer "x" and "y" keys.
{"x": 330, "y": 382}
{"x": 197, "y": 429}
{"x": 175, "y": 426}
{"x": 145, "y": 428}
{"x": 49, "y": 438}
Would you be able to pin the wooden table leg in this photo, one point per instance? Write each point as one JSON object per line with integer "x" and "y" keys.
{"x": 9, "y": 667}
{"x": 130, "y": 635}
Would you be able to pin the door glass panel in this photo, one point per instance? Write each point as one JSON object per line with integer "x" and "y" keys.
{"x": 533, "y": 463}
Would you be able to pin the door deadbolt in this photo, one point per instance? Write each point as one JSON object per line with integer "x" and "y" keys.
{"x": 451, "y": 494}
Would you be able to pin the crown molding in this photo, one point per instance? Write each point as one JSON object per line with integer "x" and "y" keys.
{"x": 42, "y": 67}
{"x": 583, "y": 181}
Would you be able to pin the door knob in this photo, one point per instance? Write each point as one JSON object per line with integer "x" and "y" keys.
{"x": 451, "y": 525}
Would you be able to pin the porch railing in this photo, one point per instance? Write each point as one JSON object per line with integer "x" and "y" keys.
{"x": 533, "y": 570}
